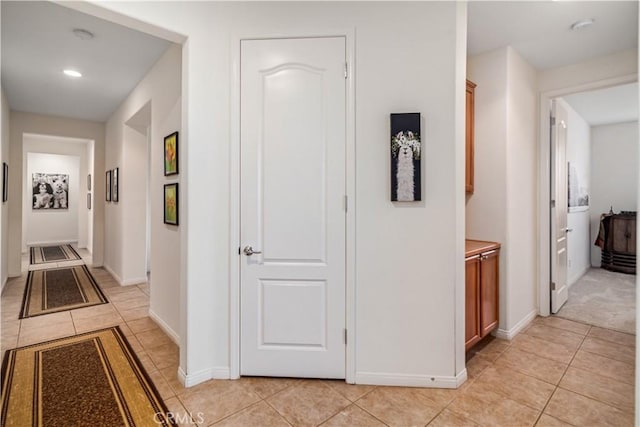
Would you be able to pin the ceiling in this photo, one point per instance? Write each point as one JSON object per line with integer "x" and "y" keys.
{"x": 540, "y": 30}
{"x": 606, "y": 106}
{"x": 38, "y": 43}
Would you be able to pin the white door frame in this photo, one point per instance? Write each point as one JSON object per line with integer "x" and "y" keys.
{"x": 234, "y": 197}
{"x": 544, "y": 181}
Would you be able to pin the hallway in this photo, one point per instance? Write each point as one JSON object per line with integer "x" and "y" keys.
{"x": 557, "y": 372}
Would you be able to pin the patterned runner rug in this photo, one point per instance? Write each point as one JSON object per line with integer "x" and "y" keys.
{"x": 59, "y": 289}
{"x": 44, "y": 254}
{"x": 92, "y": 379}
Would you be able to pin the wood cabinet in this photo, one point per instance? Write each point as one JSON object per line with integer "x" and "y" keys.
{"x": 482, "y": 279}
{"x": 469, "y": 132}
{"x": 619, "y": 242}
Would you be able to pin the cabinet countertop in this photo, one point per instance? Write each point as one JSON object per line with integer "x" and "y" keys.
{"x": 475, "y": 247}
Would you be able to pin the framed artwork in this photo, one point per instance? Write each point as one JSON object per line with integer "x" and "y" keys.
{"x": 116, "y": 185}
{"x": 50, "y": 191}
{"x": 578, "y": 190}
{"x": 89, "y": 182}
{"x": 89, "y": 201}
{"x": 406, "y": 150}
{"x": 171, "y": 154}
{"x": 5, "y": 182}
{"x": 108, "y": 187}
{"x": 171, "y": 204}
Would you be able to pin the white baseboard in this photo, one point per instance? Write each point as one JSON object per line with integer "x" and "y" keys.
{"x": 113, "y": 273}
{"x": 166, "y": 328}
{"x": 509, "y": 334}
{"x": 50, "y": 242}
{"x": 189, "y": 380}
{"x": 410, "y": 380}
{"x": 574, "y": 280}
{"x": 128, "y": 282}
{"x": 134, "y": 281}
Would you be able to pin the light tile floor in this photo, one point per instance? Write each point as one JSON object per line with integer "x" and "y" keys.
{"x": 555, "y": 373}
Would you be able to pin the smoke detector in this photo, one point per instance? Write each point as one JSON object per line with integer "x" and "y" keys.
{"x": 583, "y": 23}
{"x": 83, "y": 34}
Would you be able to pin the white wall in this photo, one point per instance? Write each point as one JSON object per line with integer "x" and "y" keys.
{"x": 404, "y": 317}
{"x": 614, "y": 174}
{"x": 579, "y": 156}
{"x": 4, "y": 206}
{"x": 47, "y": 226}
{"x": 522, "y": 98}
{"x": 28, "y": 123}
{"x": 503, "y": 205}
{"x": 153, "y": 107}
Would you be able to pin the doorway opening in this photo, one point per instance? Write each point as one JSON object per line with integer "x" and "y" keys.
{"x": 600, "y": 186}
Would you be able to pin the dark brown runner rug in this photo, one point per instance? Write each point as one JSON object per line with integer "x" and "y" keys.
{"x": 45, "y": 254}
{"x": 92, "y": 379}
{"x": 59, "y": 289}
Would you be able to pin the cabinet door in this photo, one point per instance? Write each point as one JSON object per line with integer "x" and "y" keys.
{"x": 469, "y": 132}
{"x": 472, "y": 301}
{"x": 489, "y": 288}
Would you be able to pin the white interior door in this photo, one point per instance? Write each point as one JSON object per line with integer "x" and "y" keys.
{"x": 293, "y": 219}
{"x": 559, "y": 207}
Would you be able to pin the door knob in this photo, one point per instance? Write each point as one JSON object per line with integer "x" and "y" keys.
{"x": 248, "y": 251}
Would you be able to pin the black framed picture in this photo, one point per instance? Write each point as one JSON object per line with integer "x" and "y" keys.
{"x": 406, "y": 150}
{"x": 89, "y": 201}
{"x": 116, "y": 185}
{"x": 171, "y": 204}
{"x": 89, "y": 182}
{"x": 5, "y": 182}
{"x": 171, "y": 154}
{"x": 50, "y": 191}
{"x": 108, "y": 187}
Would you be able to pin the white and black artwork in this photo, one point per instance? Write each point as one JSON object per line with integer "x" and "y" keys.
{"x": 578, "y": 192}
{"x": 50, "y": 191}
{"x": 405, "y": 157}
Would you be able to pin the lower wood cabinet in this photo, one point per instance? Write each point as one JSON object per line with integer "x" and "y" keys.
{"x": 482, "y": 290}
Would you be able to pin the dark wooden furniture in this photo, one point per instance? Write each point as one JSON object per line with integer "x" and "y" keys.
{"x": 619, "y": 248}
{"x": 482, "y": 290}
{"x": 469, "y": 131}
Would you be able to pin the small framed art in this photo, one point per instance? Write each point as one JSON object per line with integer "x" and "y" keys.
{"x": 116, "y": 185}
{"x": 406, "y": 150}
{"x": 171, "y": 154}
{"x": 171, "y": 204}
{"x": 5, "y": 182}
{"x": 108, "y": 187}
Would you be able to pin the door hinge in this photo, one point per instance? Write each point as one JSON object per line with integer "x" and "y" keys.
{"x": 553, "y": 286}
{"x": 239, "y": 253}
{"x": 345, "y": 335}
{"x": 553, "y": 203}
{"x": 345, "y": 70}
{"x": 346, "y": 203}
{"x": 553, "y": 121}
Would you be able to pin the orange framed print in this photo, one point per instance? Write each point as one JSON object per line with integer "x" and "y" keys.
{"x": 171, "y": 154}
{"x": 171, "y": 205}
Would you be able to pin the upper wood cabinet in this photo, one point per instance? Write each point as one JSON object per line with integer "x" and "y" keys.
{"x": 469, "y": 137}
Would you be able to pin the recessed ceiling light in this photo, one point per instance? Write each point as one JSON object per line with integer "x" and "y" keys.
{"x": 583, "y": 23}
{"x": 72, "y": 73}
{"x": 83, "y": 34}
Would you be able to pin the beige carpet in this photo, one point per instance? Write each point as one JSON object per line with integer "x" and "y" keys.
{"x": 603, "y": 298}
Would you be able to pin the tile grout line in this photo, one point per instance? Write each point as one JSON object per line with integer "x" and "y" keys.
{"x": 557, "y": 386}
